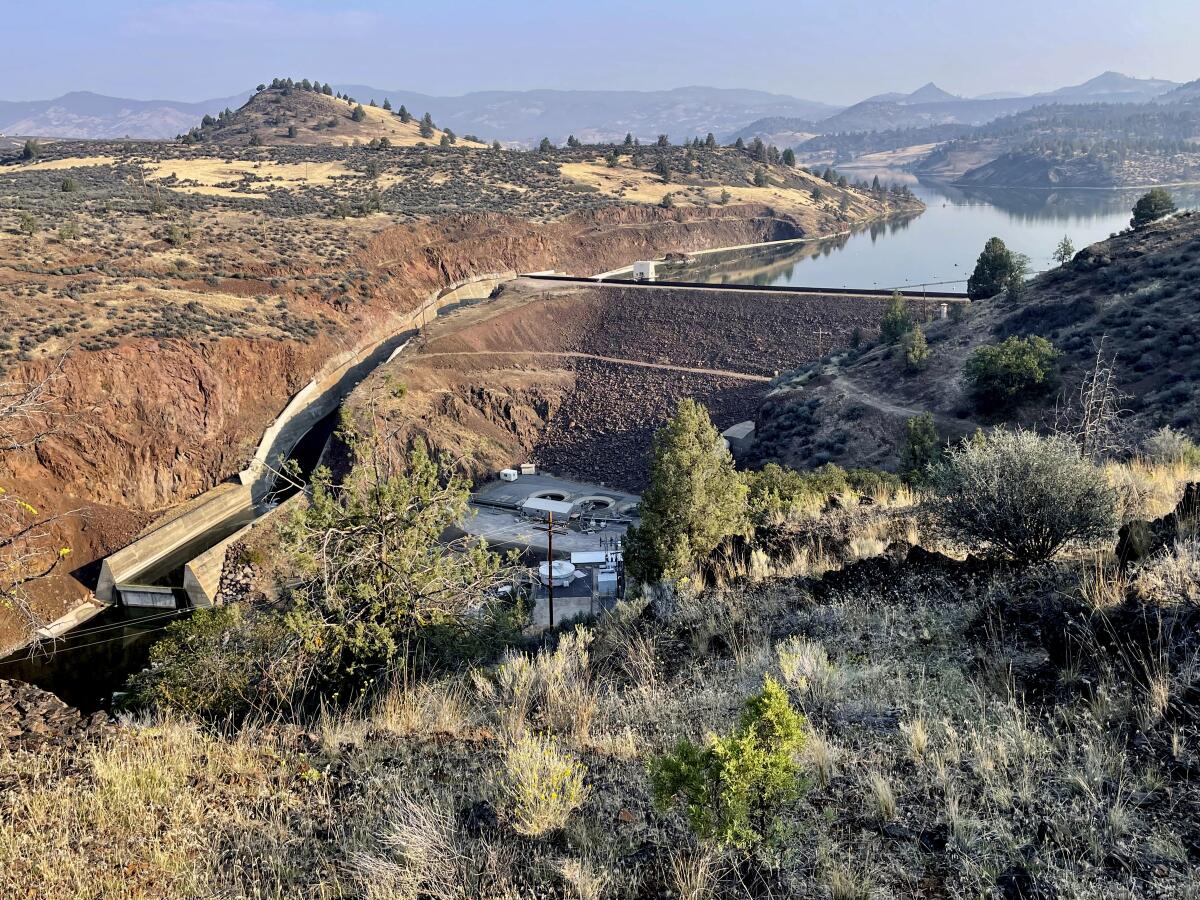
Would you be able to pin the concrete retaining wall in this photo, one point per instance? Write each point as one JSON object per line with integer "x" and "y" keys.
{"x": 341, "y": 375}
{"x": 202, "y": 576}
{"x": 227, "y": 504}
{"x": 221, "y": 505}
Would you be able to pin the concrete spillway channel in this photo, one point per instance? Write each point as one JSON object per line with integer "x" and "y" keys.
{"x": 192, "y": 542}
{"x": 178, "y": 564}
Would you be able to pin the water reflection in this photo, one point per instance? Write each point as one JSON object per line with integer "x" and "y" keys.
{"x": 938, "y": 247}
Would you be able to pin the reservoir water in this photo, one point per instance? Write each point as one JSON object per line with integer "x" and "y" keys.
{"x": 937, "y": 248}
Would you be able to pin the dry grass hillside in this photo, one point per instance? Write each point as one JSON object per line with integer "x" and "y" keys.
{"x": 968, "y": 730}
{"x": 294, "y": 117}
{"x": 1135, "y": 295}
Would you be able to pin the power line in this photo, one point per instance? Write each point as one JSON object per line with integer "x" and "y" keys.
{"x": 76, "y": 632}
{"x": 34, "y": 658}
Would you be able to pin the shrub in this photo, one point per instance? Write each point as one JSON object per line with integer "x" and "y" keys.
{"x": 1022, "y": 496}
{"x": 897, "y": 320}
{"x": 386, "y": 517}
{"x": 539, "y": 785}
{"x": 1171, "y": 578}
{"x": 921, "y": 447}
{"x": 1171, "y": 447}
{"x": 916, "y": 351}
{"x": 1002, "y": 376}
{"x": 1154, "y": 204}
{"x": 552, "y": 689}
{"x": 733, "y": 789}
{"x": 218, "y": 664}
{"x": 777, "y": 493}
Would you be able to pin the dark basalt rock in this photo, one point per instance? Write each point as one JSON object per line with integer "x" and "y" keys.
{"x": 1139, "y": 540}
{"x": 1016, "y": 883}
{"x": 31, "y": 718}
{"x": 478, "y": 818}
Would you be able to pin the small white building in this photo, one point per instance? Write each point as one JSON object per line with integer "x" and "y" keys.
{"x": 643, "y": 270}
{"x": 542, "y": 508}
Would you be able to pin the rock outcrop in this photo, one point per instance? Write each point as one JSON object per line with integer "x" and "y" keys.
{"x": 31, "y": 718}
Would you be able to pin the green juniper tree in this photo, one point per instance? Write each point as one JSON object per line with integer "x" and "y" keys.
{"x": 921, "y": 447}
{"x": 734, "y": 788}
{"x": 993, "y": 270}
{"x": 694, "y": 502}
{"x": 916, "y": 351}
{"x": 1152, "y": 205}
{"x": 897, "y": 320}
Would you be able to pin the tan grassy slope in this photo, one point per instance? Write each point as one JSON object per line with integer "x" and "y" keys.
{"x": 1138, "y": 293}
{"x": 317, "y": 119}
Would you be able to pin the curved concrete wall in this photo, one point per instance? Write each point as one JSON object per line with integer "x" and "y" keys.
{"x": 226, "y": 504}
{"x": 222, "y": 505}
{"x": 341, "y": 374}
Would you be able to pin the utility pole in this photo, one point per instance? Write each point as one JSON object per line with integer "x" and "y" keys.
{"x": 820, "y": 335}
{"x": 550, "y": 568}
{"x": 549, "y": 528}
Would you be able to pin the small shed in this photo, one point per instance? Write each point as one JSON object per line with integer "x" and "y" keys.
{"x": 542, "y": 508}
{"x": 643, "y": 270}
{"x": 740, "y": 437}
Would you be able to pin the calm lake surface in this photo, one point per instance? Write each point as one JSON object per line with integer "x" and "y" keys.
{"x": 939, "y": 247}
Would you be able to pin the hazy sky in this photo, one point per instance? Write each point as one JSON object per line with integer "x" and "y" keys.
{"x": 837, "y": 52}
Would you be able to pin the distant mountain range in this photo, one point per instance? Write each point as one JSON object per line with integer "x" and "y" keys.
{"x": 524, "y": 117}
{"x": 597, "y": 116}
{"x": 82, "y": 114}
{"x": 930, "y": 105}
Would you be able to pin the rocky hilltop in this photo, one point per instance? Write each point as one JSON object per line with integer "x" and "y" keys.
{"x": 294, "y": 116}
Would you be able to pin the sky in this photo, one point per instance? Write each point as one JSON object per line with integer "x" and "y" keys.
{"x": 834, "y": 52}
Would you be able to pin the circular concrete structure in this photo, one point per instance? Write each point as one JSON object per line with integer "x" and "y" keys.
{"x": 595, "y": 503}
{"x": 560, "y": 571}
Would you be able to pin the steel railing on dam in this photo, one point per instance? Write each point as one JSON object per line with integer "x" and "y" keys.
{"x": 907, "y": 293}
